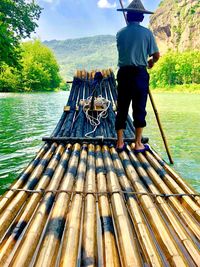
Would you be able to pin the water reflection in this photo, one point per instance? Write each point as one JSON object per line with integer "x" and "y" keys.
{"x": 180, "y": 119}
{"x": 24, "y": 120}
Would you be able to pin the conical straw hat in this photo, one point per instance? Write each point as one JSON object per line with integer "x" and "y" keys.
{"x": 137, "y": 7}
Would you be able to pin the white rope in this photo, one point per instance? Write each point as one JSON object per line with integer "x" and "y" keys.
{"x": 95, "y": 121}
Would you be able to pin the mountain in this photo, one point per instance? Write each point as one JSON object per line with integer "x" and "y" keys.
{"x": 84, "y": 53}
{"x": 176, "y": 25}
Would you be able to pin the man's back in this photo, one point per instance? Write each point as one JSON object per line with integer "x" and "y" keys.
{"x": 135, "y": 43}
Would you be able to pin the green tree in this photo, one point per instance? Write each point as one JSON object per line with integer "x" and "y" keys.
{"x": 64, "y": 86}
{"x": 175, "y": 68}
{"x": 9, "y": 79}
{"x": 39, "y": 70}
{"x": 17, "y": 21}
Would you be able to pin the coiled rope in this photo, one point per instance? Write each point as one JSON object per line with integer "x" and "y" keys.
{"x": 96, "y": 120}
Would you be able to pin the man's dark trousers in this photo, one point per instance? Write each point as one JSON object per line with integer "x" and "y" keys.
{"x": 133, "y": 84}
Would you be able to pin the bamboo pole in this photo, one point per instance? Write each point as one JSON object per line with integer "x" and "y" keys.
{"x": 160, "y": 127}
{"x": 122, "y": 5}
{"x": 151, "y": 255}
{"x": 89, "y": 239}
{"x": 88, "y": 140}
{"x": 14, "y": 206}
{"x": 9, "y": 195}
{"x": 189, "y": 221}
{"x": 72, "y": 232}
{"x": 110, "y": 252}
{"x": 128, "y": 247}
{"x": 24, "y": 217}
{"x": 112, "y": 88}
{"x": 51, "y": 242}
{"x": 184, "y": 236}
{"x": 169, "y": 246}
{"x": 155, "y": 110}
{"x": 28, "y": 244}
{"x": 186, "y": 201}
{"x": 181, "y": 182}
{"x": 59, "y": 124}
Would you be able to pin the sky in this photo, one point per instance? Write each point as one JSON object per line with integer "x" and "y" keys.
{"x": 68, "y": 19}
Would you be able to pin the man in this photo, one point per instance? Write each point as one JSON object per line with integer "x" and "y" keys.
{"x": 135, "y": 45}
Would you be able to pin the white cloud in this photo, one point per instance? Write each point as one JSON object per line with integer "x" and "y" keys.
{"x": 106, "y": 4}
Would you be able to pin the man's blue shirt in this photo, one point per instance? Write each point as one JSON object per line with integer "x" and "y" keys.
{"x": 135, "y": 44}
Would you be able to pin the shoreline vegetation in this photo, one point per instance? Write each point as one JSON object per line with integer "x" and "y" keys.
{"x": 175, "y": 72}
{"x": 24, "y": 66}
{"x": 185, "y": 88}
{"x": 40, "y": 71}
{"x": 175, "y": 89}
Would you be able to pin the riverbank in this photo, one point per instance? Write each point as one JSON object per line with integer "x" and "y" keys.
{"x": 186, "y": 88}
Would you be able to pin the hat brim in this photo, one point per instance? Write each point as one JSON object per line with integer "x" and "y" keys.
{"x": 135, "y": 10}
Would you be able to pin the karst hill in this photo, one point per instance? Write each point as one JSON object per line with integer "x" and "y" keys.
{"x": 176, "y": 25}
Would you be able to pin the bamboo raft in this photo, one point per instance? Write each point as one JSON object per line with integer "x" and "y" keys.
{"x": 80, "y": 203}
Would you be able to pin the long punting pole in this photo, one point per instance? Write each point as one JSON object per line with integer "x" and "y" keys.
{"x": 155, "y": 111}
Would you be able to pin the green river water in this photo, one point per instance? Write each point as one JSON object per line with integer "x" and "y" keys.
{"x": 26, "y": 118}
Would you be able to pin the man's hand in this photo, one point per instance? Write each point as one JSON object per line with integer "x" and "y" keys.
{"x": 150, "y": 63}
{"x": 155, "y": 58}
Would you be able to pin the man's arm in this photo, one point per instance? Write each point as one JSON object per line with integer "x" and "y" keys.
{"x": 154, "y": 58}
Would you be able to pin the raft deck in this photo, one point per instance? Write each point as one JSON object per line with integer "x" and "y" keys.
{"x": 80, "y": 203}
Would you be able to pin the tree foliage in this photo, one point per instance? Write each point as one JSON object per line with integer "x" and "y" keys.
{"x": 9, "y": 79}
{"x": 39, "y": 71}
{"x": 17, "y": 21}
{"x": 175, "y": 68}
{"x": 40, "y": 68}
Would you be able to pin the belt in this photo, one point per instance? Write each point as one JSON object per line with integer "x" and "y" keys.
{"x": 133, "y": 67}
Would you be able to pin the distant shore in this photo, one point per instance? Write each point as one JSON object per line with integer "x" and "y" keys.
{"x": 185, "y": 88}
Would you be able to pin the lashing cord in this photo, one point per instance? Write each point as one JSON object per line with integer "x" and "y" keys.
{"x": 43, "y": 191}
